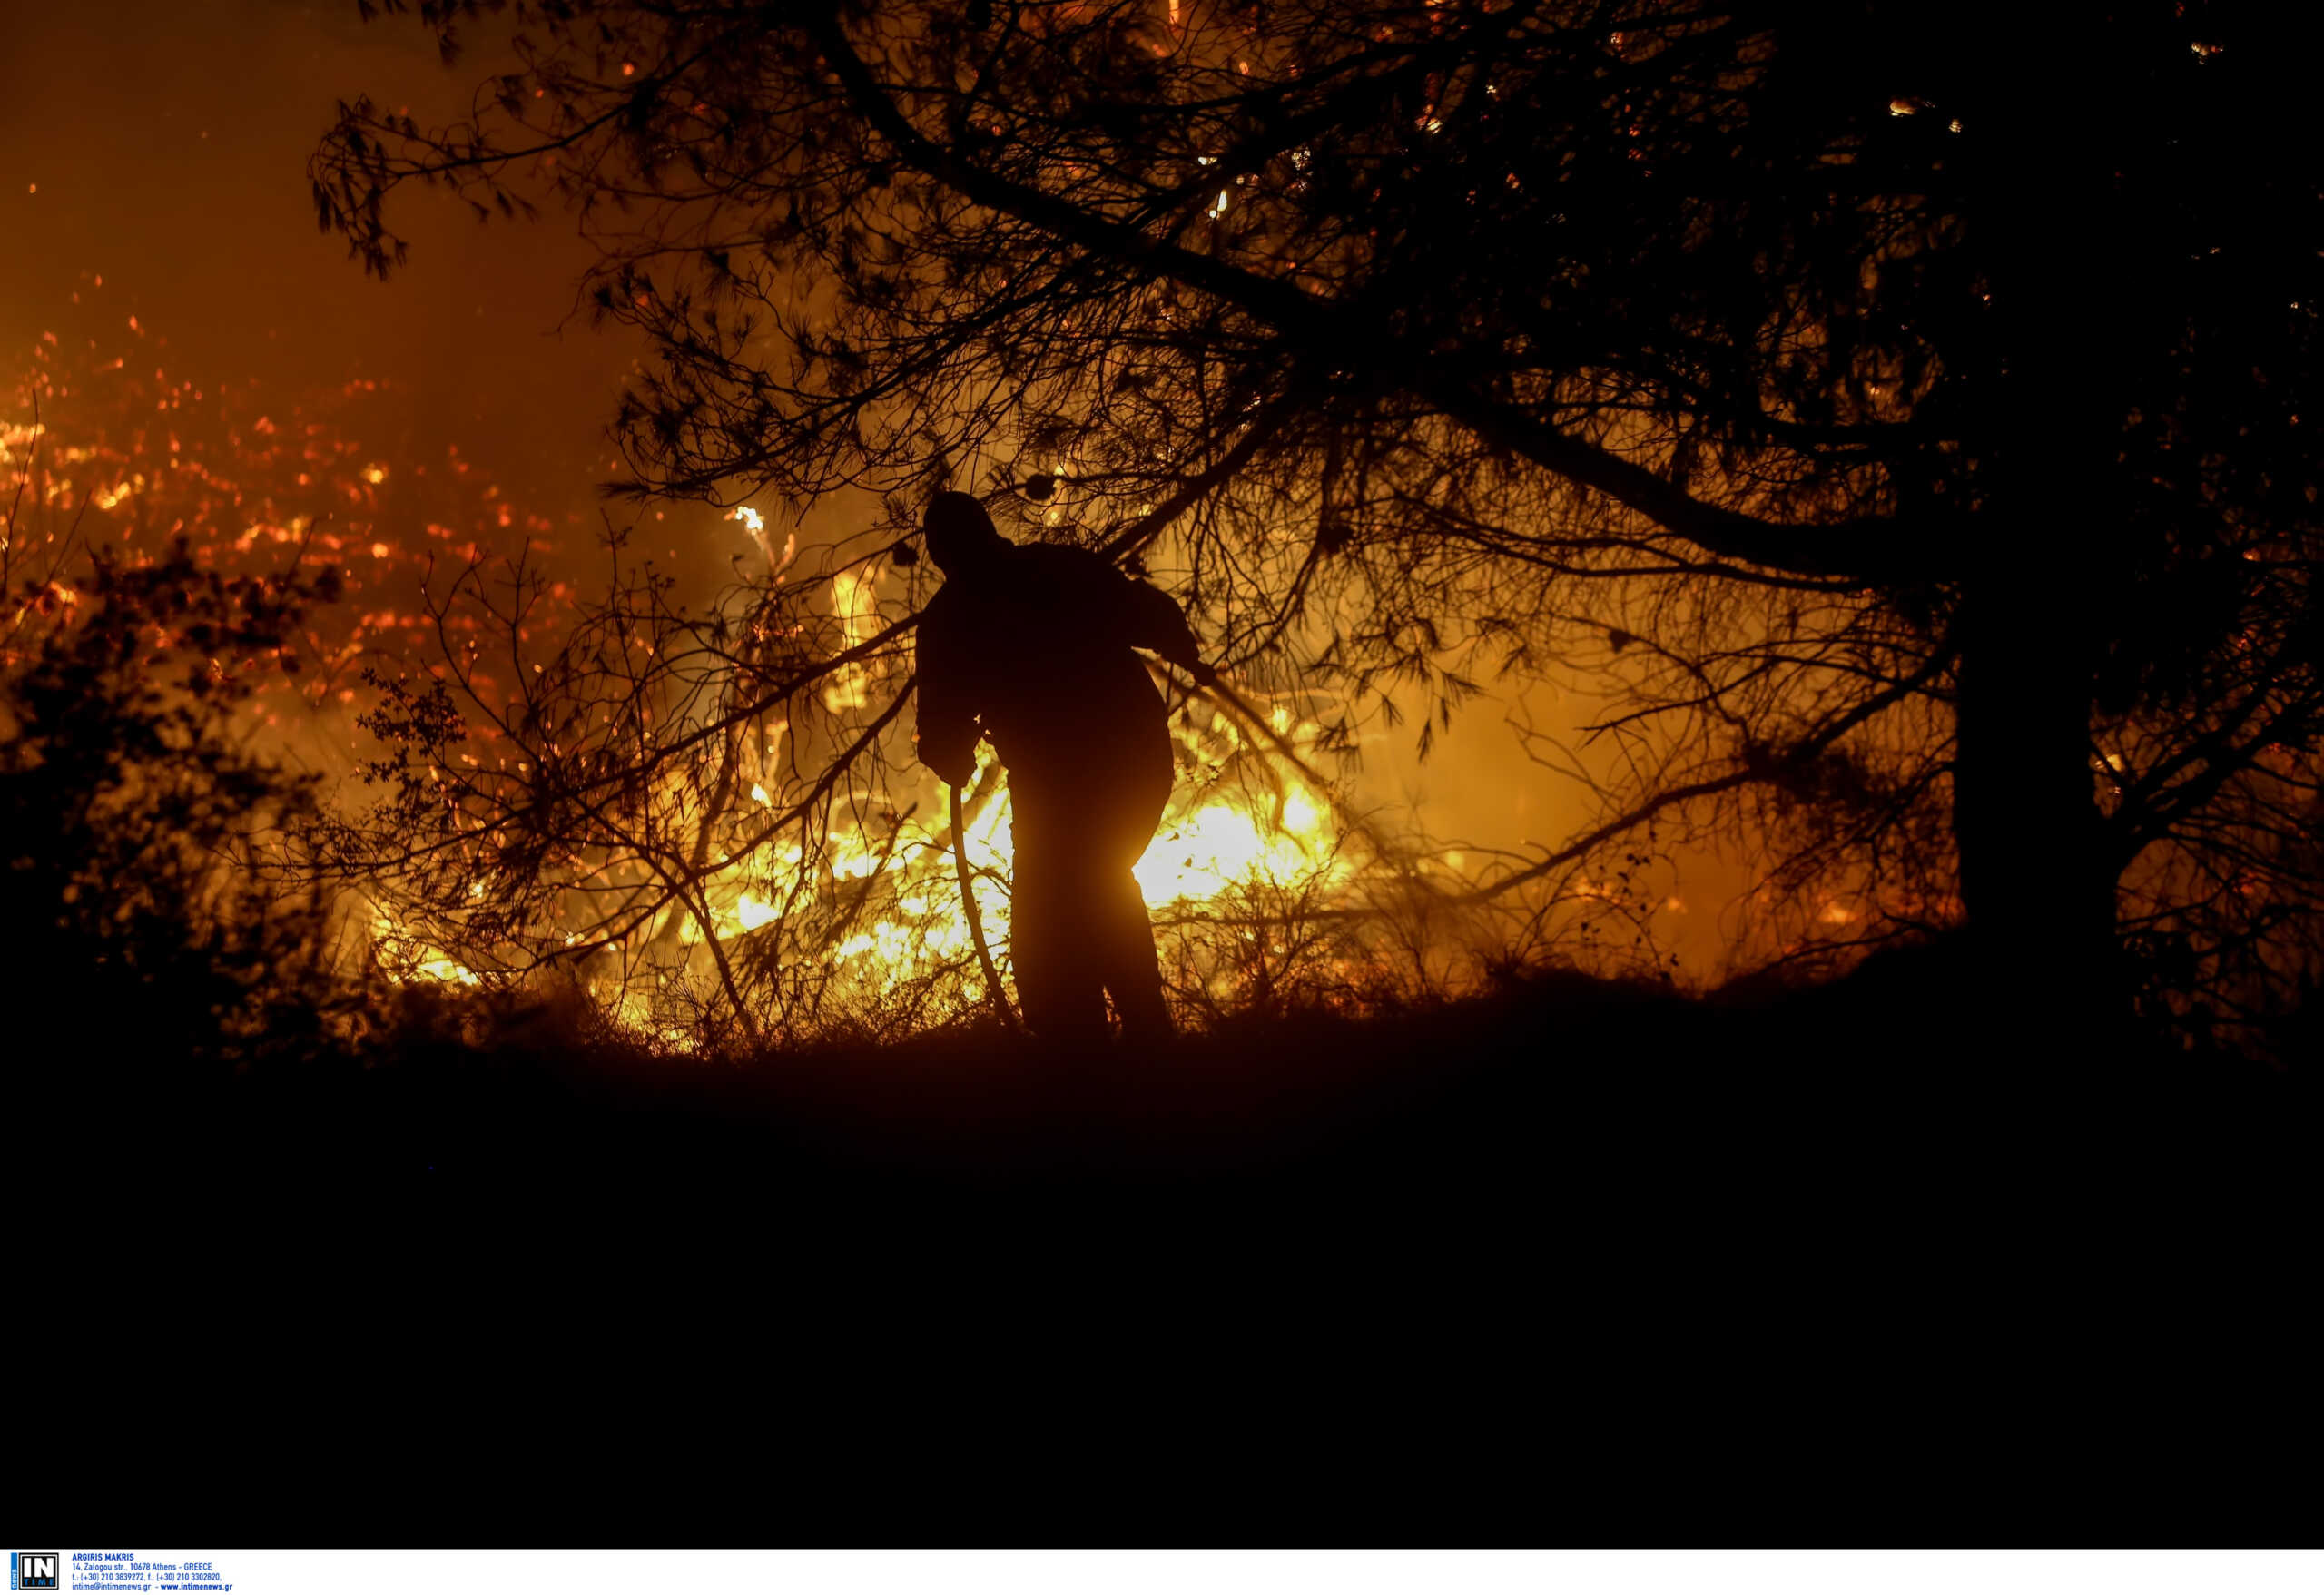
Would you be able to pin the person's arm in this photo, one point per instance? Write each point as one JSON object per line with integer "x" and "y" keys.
{"x": 946, "y": 716}
{"x": 1153, "y": 619}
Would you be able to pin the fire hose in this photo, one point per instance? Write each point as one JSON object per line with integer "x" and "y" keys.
{"x": 999, "y": 998}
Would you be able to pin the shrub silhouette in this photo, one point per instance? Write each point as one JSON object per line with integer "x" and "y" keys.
{"x": 148, "y": 885}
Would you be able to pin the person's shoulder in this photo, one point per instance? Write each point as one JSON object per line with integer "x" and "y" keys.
{"x": 1062, "y": 562}
{"x": 1060, "y": 556}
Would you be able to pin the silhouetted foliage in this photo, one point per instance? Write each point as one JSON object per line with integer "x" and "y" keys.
{"x": 1913, "y": 401}
{"x": 143, "y": 846}
{"x": 171, "y": 773}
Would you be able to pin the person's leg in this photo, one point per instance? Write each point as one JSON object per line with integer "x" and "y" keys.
{"x": 1132, "y": 972}
{"x": 1060, "y": 978}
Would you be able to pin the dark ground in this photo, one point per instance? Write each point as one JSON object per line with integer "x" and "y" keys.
{"x": 1666, "y": 1240}
{"x": 1896, "y": 1089}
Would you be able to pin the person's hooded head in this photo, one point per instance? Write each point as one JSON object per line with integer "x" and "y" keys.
{"x": 962, "y": 540}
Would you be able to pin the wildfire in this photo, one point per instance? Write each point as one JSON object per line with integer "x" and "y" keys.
{"x": 99, "y": 450}
{"x": 1221, "y": 838}
{"x": 872, "y": 904}
{"x": 1246, "y": 828}
{"x": 855, "y": 604}
{"x": 406, "y": 958}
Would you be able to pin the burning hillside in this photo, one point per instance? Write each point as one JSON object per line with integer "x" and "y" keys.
{"x": 762, "y": 850}
{"x": 106, "y": 446}
{"x": 704, "y": 820}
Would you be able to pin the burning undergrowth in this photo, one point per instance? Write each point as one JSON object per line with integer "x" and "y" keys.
{"x": 703, "y": 823}
{"x": 712, "y": 826}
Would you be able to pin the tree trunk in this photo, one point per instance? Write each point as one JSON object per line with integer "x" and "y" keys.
{"x": 2039, "y": 895}
{"x": 2034, "y": 876}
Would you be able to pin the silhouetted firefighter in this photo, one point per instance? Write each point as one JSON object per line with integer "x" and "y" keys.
{"x": 1031, "y": 648}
